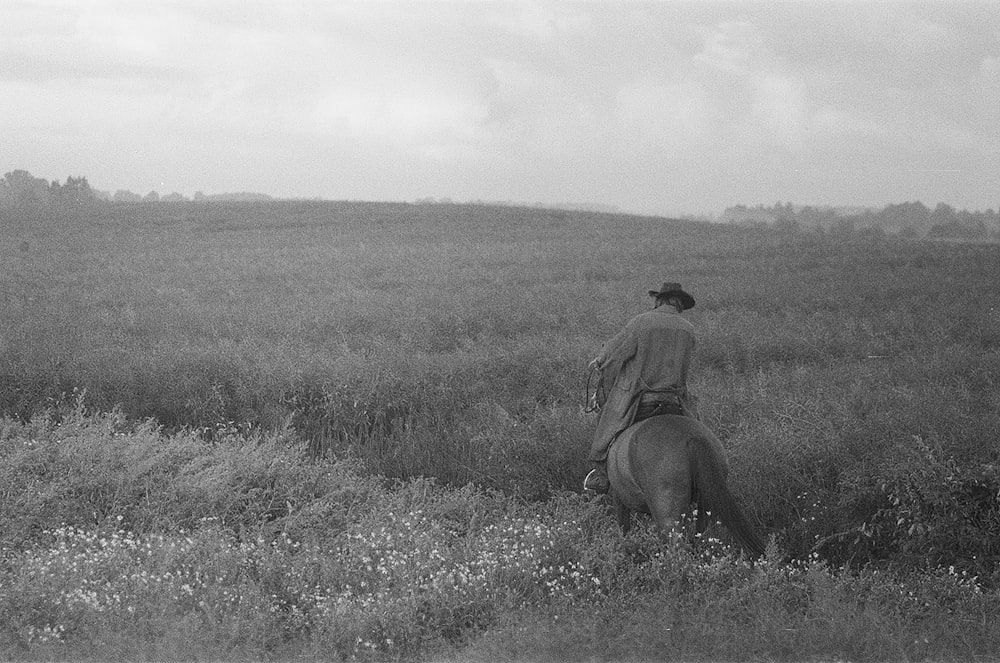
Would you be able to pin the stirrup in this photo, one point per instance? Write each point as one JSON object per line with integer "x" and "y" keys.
{"x": 603, "y": 489}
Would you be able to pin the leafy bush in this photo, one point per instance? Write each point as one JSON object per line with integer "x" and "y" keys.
{"x": 933, "y": 513}
{"x": 84, "y": 470}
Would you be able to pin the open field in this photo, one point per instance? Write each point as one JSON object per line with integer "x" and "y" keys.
{"x": 296, "y": 358}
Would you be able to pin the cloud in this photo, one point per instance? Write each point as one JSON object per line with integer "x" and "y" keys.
{"x": 663, "y": 115}
{"x": 434, "y": 124}
{"x": 538, "y": 20}
{"x": 734, "y": 47}
{"x": 905, "y": 34}
{"x": 767, "y": 102}
{"x": 60, "y": 41}
{"x": 781, "y": 109}
{"x": 537, "y": 100}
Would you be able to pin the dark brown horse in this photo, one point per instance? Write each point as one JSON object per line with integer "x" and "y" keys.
{"x": 663, "y": 465}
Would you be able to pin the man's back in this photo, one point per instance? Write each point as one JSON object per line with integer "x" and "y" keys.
{"x": 645, "y": 370}
{"x": 652, "y": 352}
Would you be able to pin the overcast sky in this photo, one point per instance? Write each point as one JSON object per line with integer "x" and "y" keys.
{"x": 654, "y": 107}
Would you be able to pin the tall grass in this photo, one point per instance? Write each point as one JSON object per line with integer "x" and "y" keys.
{"x": 148, "y": 546}
{"x": 265, "y": 370}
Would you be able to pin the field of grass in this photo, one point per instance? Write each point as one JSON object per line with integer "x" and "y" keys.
{"x": 336, "y": 430}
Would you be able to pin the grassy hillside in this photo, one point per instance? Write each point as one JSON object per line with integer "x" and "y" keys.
{"x": 852, "y": 379}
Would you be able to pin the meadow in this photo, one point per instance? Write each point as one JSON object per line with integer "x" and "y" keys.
{"x": 356, "y": 430}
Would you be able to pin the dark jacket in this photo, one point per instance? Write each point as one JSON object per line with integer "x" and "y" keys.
{"x": 651, "y": 354}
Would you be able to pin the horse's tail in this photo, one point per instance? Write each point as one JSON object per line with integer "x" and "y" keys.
{"x": 712, "y": 494}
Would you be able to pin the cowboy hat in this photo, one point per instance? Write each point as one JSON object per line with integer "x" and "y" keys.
{"x": 668, "y": 289}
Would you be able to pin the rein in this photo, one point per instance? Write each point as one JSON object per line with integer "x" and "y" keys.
{"x": 593, "y": 400}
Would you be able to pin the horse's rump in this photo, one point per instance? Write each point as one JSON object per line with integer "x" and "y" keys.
{"x": 664, "y": 464}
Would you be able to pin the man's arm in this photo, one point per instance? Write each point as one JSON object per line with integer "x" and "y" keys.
{"x": 619, "y": 349}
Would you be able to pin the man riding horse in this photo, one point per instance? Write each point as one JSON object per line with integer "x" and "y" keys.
{"x": 646, "y": 367}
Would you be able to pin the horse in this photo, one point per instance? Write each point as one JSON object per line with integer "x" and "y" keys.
{"x": 662, "y": 465}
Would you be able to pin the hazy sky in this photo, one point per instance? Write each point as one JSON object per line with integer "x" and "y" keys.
{"x": 662, "y": 107}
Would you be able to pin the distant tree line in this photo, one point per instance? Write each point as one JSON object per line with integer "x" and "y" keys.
{"x": 123, "y": 196}
{"x": 904, "y": 219}
{"x": 22, "y": 192}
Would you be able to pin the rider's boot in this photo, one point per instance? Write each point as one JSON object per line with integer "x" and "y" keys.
{"x": 597, "y": 481}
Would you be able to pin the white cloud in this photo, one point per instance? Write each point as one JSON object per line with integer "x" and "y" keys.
{"x": 781, "y": 109}
{"x": 733, "y": 47}
{"x": 550, "y": 99}
{"x": 538, "y": 19}
{"x": 904, "y": 33}
{"x": 664, "y": 115}
{"x": 837, "y": 124}
{"x": 416, "y": 119}
{"x": 767, "y": 101}
{"x": 125, "y": 35}
{"x": 989, "y": 68}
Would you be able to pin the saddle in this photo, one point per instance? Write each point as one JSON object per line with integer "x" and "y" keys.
{"x": 654, "y": 404}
